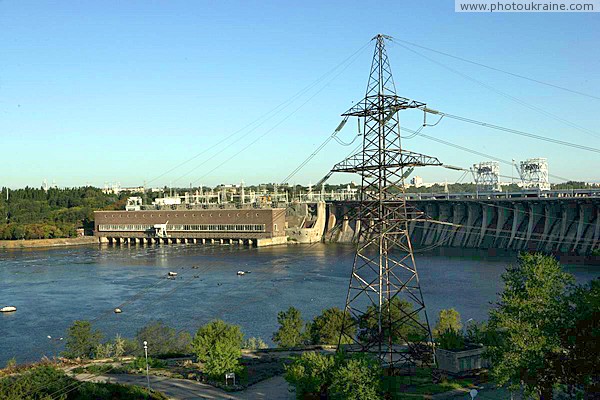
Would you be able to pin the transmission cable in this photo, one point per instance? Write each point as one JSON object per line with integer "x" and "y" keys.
{"x": 497, "y": 69}
{"x": 268, "y": 115}
{"x": 515, "y": 131}
{"x": 506, "y": 95}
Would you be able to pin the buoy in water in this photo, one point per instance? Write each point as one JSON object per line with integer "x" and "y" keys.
{"x": 8, "y": 309}
{"x": 118, "y": 311}
{"x": 171, "y": 273}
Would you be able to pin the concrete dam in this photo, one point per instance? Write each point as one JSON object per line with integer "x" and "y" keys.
{"x": 553, "y": 225}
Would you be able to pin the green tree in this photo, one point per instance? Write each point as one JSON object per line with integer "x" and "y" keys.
{"x": 219, "y": 346}
{"x": 448, "y": 319}
{"x": 82, "y": 340}
{"x": 581, "y": 338}
{"x": 529, "y": 318}
{"x": 397, "y": 319}
{"x": 163, "y": 340}
{"x": 342, "y": 376}
{"x": 356, "y": 378}
{"x": 327, "y": 327}
{"x": 290, "y": 332}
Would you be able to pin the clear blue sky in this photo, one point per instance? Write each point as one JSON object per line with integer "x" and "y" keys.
{"x": 105, "y": 91}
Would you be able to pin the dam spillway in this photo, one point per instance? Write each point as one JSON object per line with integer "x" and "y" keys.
{"x": 552, "y": 225}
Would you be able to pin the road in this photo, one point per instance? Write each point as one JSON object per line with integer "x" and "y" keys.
{"x": 183, "y": 389}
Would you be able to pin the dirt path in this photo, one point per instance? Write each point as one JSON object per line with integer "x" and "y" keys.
{"x": 183, "y": 389}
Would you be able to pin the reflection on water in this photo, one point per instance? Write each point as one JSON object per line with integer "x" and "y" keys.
{"x": 52, "y": 288}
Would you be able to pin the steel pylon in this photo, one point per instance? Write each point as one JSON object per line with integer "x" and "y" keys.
{"x": 385, "y": 311}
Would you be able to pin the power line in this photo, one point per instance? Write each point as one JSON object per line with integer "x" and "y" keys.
{"x": 506, "y": 95}
{"x": 498, "y": 69}
{"x": 515, "y": 131}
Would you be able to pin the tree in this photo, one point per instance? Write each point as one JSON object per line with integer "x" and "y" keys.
{"x": 447, "y": 320}
{"x": 327, "y": 327}
{"x": 342, "y": 376}
{"x": 528, "y": 319}
{"x": 82, "y": 341}
{"x": 219, "y": 346}
{"x": 581, "y": 338}
{"x": 254, "y": 343}
{"x": 163, "y": 340}
{"x": 290, "y": 332}
{"x": 397, "y": 319}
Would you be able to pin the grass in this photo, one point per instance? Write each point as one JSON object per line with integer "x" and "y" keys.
{"x": 421, "y": 384}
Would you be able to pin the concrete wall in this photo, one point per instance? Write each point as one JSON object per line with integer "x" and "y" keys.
{"x": 559, "y": 225}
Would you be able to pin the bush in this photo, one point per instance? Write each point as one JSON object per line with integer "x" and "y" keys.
{"x": 447, "y": 319}
{"x": 336, "y": 377}
{"x": 219, "y": 346}
{"x": 451, "y": 340}
{"x": 163, "y": 340}
{"x": 399, "y": 310}
{"x": 82, "y": 341}
{"x": 290, "y": 332}
{"x": 327, "y": 327}
{"x": 140, "y": 363}
{"x": 254, "y": 344}
{"x": 47, "y": 383}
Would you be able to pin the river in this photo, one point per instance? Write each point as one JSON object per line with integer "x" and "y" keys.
{"x": 52, "y": 288}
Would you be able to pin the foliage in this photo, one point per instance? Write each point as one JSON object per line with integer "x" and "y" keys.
{"x": 356, "y": 378}
{"x": 140, "y": 363}
{"x": 119, "y": 346}
{"x": 336, "y": 377}
{"x": 104, "y": 350}
{"x": 163, "y": 340}
{"x": 290, "y": 332}
{"x": 581, "y": 337}
{"x": 82, "y": 341}
{"x": 38, "y": 214}
{"x": 47, "y": 382}
{"x": 254, "y": 344}
{"x": 11, "y": 364}
{"x": 452, "y": 340}
{"x": 398, "y": 310}
{"x": 529, "y": 318}
{"x": 218, "y": 345}
{"x": 448, "y": 319}
{"x": 481, "y": 333}
{"x": 326, "y": 328}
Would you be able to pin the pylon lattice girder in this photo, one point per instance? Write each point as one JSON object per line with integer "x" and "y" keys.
{"x": 384, "y": 297}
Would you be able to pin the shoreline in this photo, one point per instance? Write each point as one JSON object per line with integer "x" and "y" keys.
{"x": 40, "y": 243}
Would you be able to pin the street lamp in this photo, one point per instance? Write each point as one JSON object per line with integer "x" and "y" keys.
{"x": 147, "y": 369}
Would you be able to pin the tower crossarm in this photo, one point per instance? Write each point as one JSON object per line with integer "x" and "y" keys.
{"x": 395, "y": 158}
{"x": 375, "y": 104}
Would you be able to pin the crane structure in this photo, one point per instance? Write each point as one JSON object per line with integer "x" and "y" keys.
{"x": 486, "y": 175}
{"x": 385, "y": 312}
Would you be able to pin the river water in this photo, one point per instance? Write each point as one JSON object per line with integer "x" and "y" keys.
{"x": 52, "y": 288}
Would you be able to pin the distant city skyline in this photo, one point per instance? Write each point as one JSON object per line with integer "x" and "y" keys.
{"x": 125, "y": 92}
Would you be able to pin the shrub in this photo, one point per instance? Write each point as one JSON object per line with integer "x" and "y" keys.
{"x": 163, "y": 340}
{"x": 254, "y": 344}
{"x": 327, "y": 327}
{"x": 82, "y": 341}
{"x": 290, "y": 332}
{"x": 447, "y": 319}
{"x": 451, "y": 340}
{"x": 219, "y": 346}
{"x": 336, "y": 377}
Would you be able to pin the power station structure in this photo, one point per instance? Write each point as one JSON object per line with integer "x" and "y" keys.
{"x": 486, "y": 176}
{"x": 534, "y": 174}
{"x": 385, "y": 312}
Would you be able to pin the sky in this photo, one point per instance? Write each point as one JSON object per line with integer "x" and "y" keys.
{"x": 206, "y": 92}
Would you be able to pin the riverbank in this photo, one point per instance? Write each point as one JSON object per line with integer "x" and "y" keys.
{"x": 37, "y": 243}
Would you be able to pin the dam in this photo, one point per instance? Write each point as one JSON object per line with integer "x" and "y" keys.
{"x": 562, "y": 225}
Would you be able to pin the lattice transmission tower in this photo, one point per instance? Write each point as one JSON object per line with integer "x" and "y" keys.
{"x": 384, "y": 300}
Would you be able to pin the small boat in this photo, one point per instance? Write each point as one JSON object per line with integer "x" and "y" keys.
{"x": 8, "y": 309}
{"x": 172, "y": 273}
{"x": 118, "y": 311}
{"x": 240, "y": 273}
